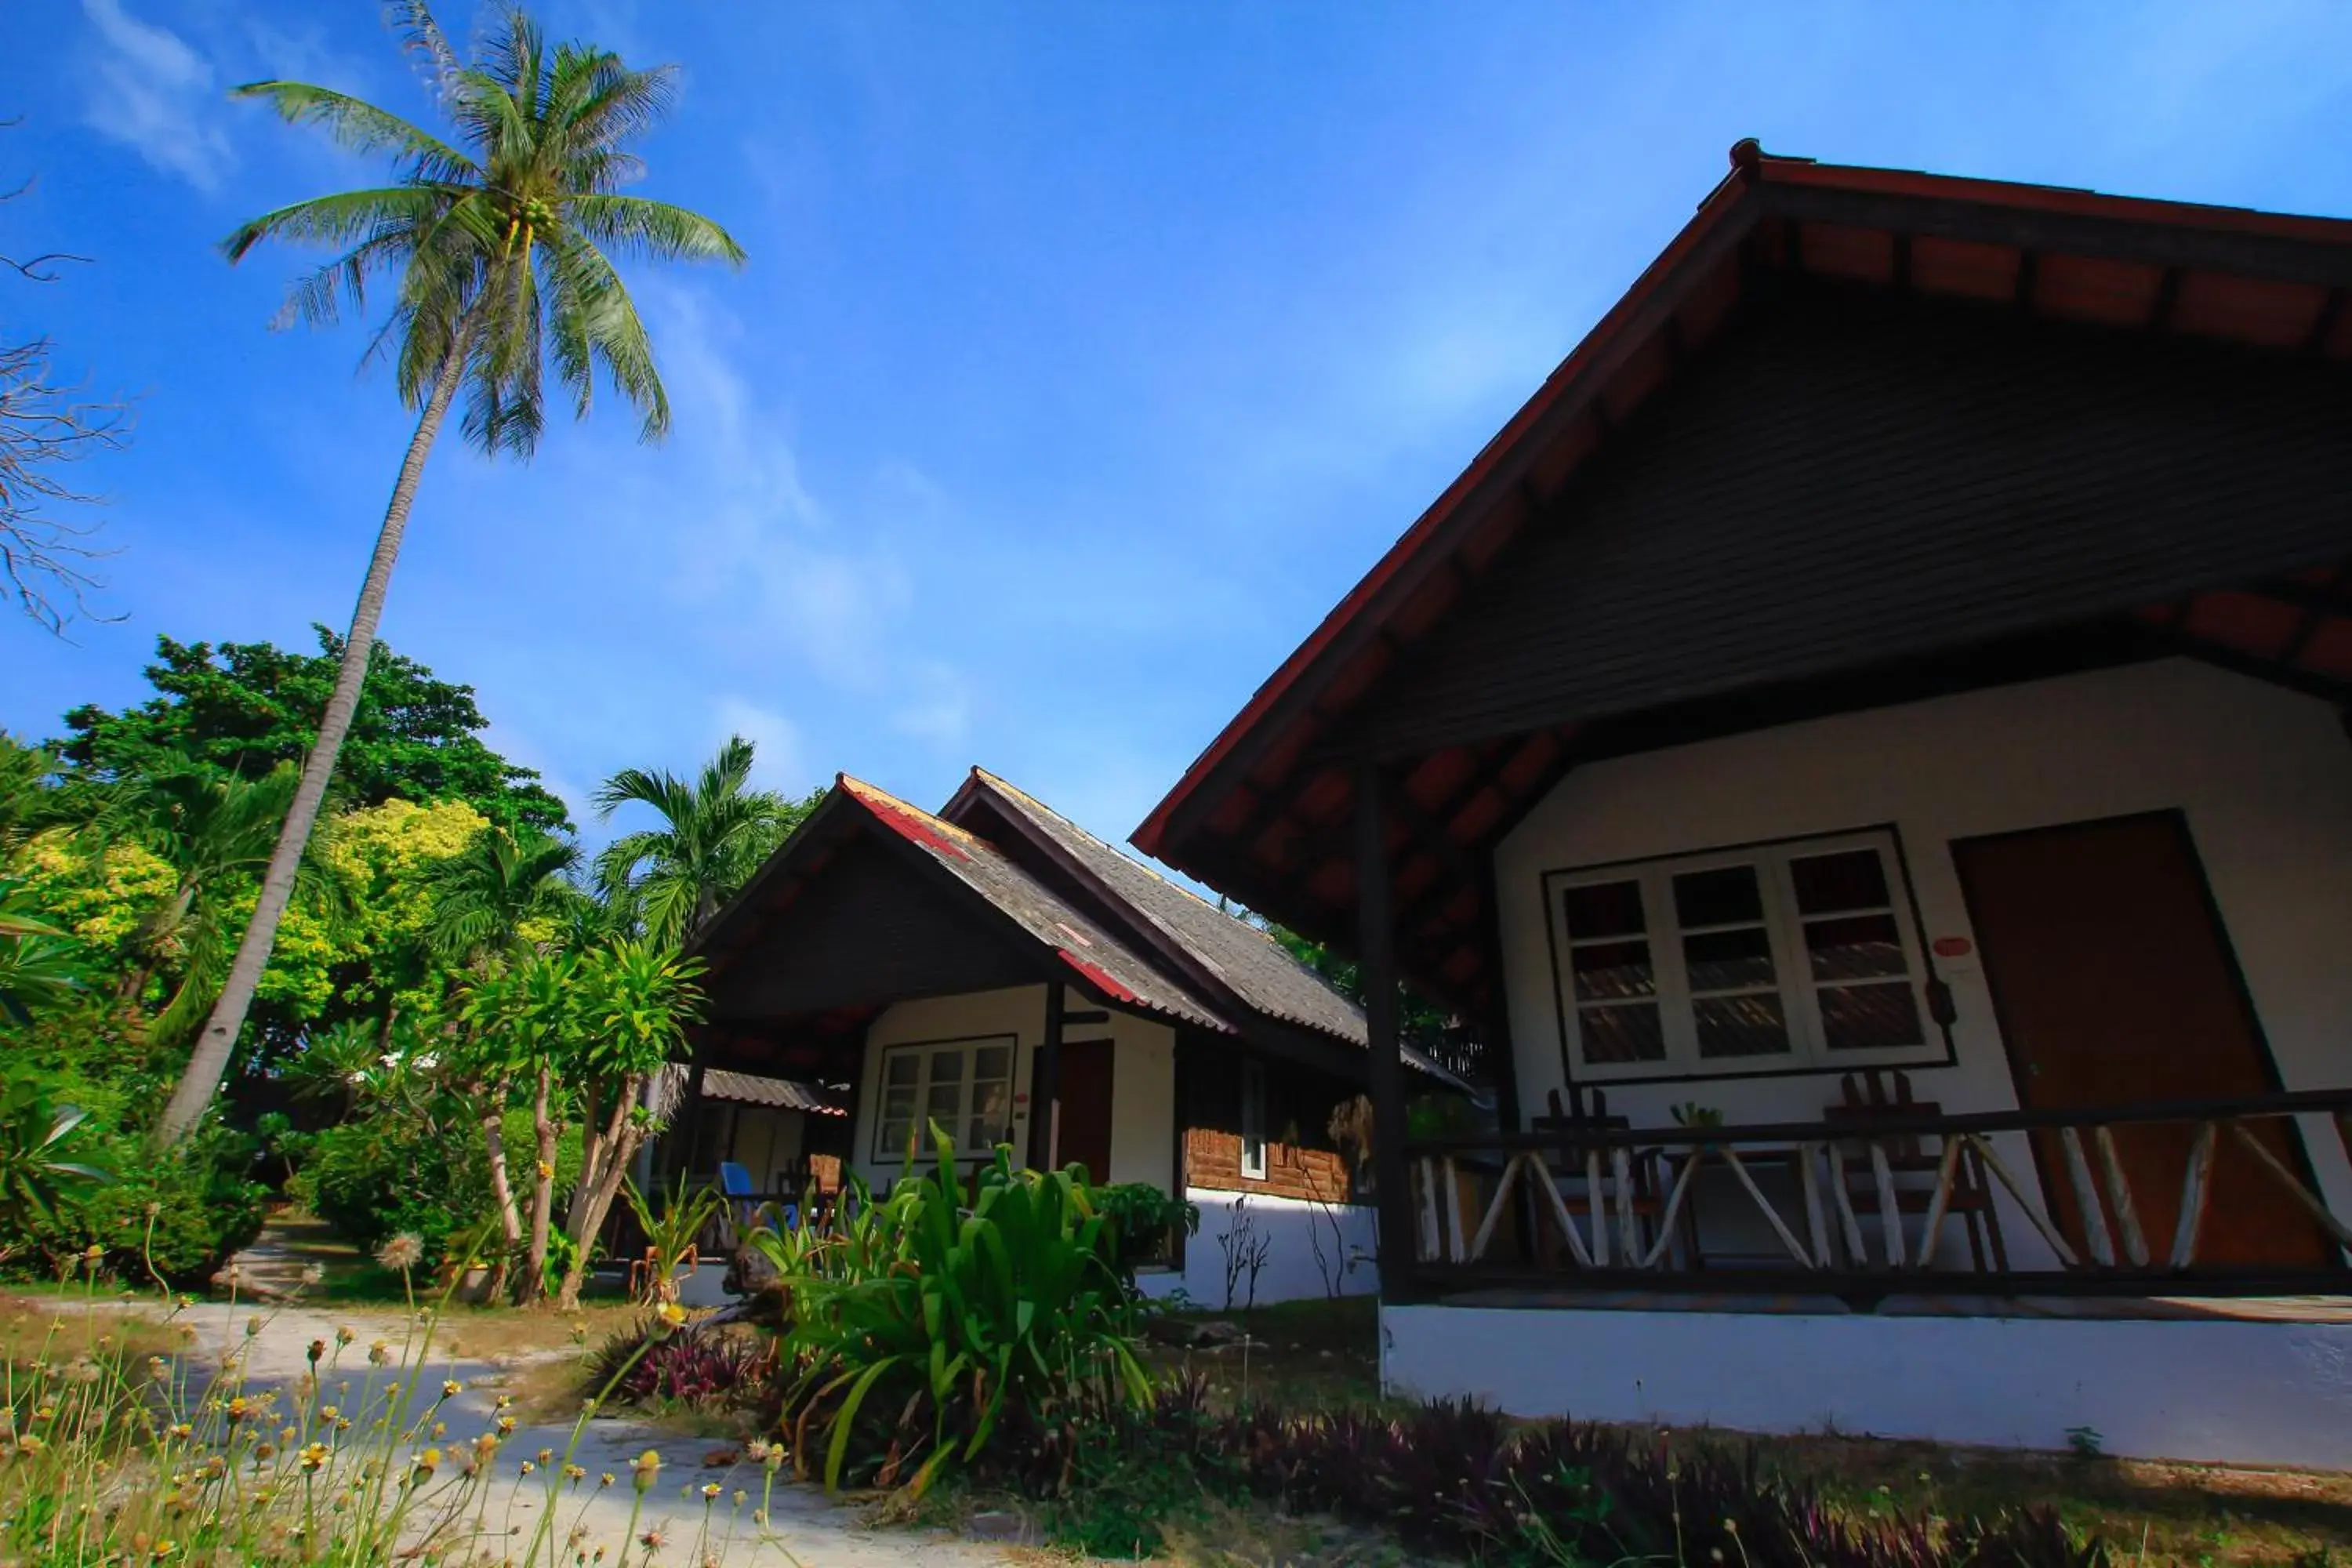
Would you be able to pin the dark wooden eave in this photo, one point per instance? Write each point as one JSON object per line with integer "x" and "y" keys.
{"x": 2243, "y": 309}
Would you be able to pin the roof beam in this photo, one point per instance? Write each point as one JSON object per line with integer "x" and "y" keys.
{"x": 2288, "y": 257}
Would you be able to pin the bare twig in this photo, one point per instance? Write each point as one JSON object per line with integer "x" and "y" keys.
{"x": 44, "y": 559}
{"x": 45, "y": 425}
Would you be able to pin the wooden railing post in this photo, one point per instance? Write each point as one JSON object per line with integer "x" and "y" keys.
{"x": 1584, "y": 1177}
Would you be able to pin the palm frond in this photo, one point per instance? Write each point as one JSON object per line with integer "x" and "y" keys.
{"x": 619, "y": 104}
{"x": 422, "y": 37}
{"x": 597, "y": 323}
{"x": 726, "y": 773}
{"x": 361, "y": 127}
{"x": 345, "y": 218}
{"x": 656, "y": 231}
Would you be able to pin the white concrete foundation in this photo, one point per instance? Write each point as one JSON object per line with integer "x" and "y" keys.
{"x": 2220, "y": 1391}
{"x": 1312, "y": 1250}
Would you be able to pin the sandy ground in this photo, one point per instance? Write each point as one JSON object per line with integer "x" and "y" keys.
{"x": 803, "y": 1527}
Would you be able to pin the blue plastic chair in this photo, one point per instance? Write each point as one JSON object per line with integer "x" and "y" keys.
{"x": 742, "y": 1204}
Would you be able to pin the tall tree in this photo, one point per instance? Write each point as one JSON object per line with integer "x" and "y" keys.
{"x": 497, "y": 245}
{"x": 245, "y": 708}
{"x": 716, "y": 829}
{"x": 485, "y": 901}
{"x": 634, "y": 1002}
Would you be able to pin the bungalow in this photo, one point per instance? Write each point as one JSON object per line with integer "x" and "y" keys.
{"x": 1867, "y": 742}
{"x": 999, "y": 971}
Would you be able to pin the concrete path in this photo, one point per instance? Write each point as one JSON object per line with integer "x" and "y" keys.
{"x": 803, "y": 1528}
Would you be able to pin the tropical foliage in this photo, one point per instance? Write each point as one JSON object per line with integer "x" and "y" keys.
{"x": 248, "y": 708}
{"x": 965, "y": 1299}
{"x": 715, "y": 831}
{"x": 454, "y": 1026}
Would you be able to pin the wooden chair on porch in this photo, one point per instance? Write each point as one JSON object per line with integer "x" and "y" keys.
{"x": 1585, "y": 1175}
{"x": 1913, "y": 1163}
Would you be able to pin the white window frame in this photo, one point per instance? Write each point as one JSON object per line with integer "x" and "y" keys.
{"x": 928, "y": 1054}
{"x": 1253, "y": 1120}
{"x": 1794, "y": 981}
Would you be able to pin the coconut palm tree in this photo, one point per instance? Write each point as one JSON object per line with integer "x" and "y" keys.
{"x": 715, "y": 831}
{"x": 496, "y": 241}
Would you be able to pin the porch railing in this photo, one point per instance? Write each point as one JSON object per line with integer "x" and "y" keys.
{"x": 2196, "y": 1197}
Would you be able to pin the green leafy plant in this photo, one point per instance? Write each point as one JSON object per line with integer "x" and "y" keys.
{"x": 670, "y": 1227}
{"x": 1691, "y": 1113}
{"x": 42, "y": 1160}
{"x": 39, "y": 965}
{"x": 1142, "y": 1220}
{"x": 1000, "y": 1294}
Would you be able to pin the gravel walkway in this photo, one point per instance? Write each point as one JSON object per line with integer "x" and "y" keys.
{"x": 805, "y": 1528}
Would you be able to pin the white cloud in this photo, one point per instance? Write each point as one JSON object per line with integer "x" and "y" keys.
{"x": 760, "y": 554}
{"x": 938, "y": 708}
{"x": 155, "y": 95}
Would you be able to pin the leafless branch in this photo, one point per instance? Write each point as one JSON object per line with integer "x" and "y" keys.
{"x": 46, "y": 424}
{"x": 44, "y": 559}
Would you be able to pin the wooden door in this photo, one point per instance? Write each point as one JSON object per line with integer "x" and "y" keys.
{"x": 2114, "y": 984}
{"x": 1085, "y": 1107}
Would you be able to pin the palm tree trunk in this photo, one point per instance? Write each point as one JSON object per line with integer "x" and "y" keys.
{"x": 210, "y": 1061}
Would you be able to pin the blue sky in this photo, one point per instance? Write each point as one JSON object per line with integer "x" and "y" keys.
{"x": 1087, "y": 354}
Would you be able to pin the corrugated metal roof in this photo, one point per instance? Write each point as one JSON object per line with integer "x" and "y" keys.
{"x": 743, "y": 1088}
{"x": 1257, "y": 968}
{"x": 750, "y": 1088}
{"x": 1106, "y": 964}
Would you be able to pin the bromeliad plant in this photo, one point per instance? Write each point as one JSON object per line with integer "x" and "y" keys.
{"x": 671, "y": 1223}
{"x": 998, "y": 1294}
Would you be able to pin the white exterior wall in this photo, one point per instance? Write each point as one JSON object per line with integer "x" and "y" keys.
{"x": 1143, "y": 1075}
{"x": 1312, "y": 1250}
{"x": 2263, "y": 776}
{"x": 2243, "y": 1393}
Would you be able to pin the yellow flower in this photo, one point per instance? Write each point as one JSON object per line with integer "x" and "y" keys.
{"x": 314, "y": 1456}
{"x": 710, "y": 1491}
{"x": 670, "y": 1312}
{"x": 426, "y": 1463}
{"x": 646, "y": 1468}
{"x": 546, "y": 1172}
